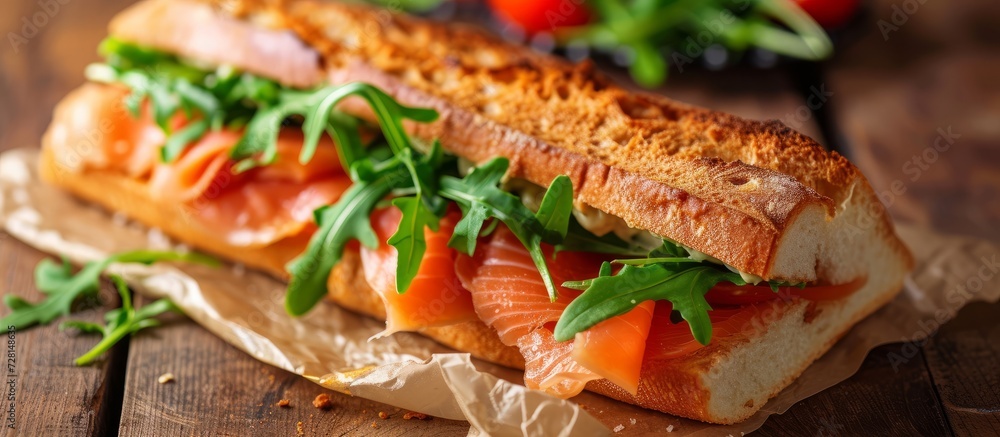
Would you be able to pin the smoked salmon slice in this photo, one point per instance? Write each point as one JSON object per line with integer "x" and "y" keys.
{"x": 435, "y": 296}
{"x": 254, "y": 208}
{"x": 668, "y": 340}
{"x": 93, "y": 129}
{"x": 255, "y": 213}
{"x": 509, "y": 296}
{"x": 257, "y": 207}
{"x": 191, "y": 174}
{"x": 621, "y": 338}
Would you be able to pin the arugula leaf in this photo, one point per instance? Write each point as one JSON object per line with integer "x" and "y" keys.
{"x": 557, "y": 206}
{"x": 610, "y": 296}
{"x": 316, "y": 107}
{"x": 475, "y": 213}
{"x": 775, "y": 284}
{"x": 258, "y": 145}
{"x": 121, "y": 322}
{"x": 349, "y": 218}
{"x": 179, "y": 141}
{"x": 479, "y": 198}
{"x": 669, "y": 249}
{"x": 346, "y": 220}
{"x": 389, "y": 112}
{"x": 644, "y": 261}
{"x": 62, "y": 287}
{"x": 409, "y": 240}
{"x": 655, "y": 30}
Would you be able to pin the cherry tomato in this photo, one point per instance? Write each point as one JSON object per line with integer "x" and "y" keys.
{"x": 727, "y": 293}
{"x": 829, "y": 13}
{"x": 542, "y": 15}
{"x": 668, "y": 340}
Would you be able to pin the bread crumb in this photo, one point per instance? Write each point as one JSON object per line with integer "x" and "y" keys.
{"x": 285, "y": 403}
{"x": 165, "y": 378}
{"x": 670, "y": 428}
{"x": 632, "y": 421}
{"x": 323, "y": 402}
{"x": 415, "y": 415}
{"x": 619, "y": 428}
{"x": 383, "y": 415}
{"x": 374, "y": 425}
{"x": 300, "y": 429}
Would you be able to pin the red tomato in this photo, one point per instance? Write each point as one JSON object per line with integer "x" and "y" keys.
{"x": 669, "y": 340}
{"x": 829, "y": 13}
{"x": 727, "y": 293}
{"x": 542, "y": 15}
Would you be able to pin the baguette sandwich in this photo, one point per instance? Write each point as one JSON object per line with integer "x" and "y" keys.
{"x": 502, "y": 202}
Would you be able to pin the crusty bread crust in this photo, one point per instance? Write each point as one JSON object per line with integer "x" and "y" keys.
{"x": 758, "y": 361}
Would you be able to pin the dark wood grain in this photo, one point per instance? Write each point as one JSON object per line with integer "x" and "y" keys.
{"x": 53, "y": 396}
{"x": 220, "y": 390}
{"x": 963, "y": 358}
{"x": 897, "y": 95}
{"x": 894, "y": 98}
{"x": 878, "y": 400}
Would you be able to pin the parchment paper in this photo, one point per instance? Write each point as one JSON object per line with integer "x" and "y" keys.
{"x": 331, "y": 346}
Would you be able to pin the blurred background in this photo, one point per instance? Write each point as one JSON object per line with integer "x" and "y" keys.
{"x": 909, "y": 90}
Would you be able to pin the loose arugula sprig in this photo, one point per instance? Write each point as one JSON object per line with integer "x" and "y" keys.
{"x": 121, "y": 322}
{"x": 62, "y": 287}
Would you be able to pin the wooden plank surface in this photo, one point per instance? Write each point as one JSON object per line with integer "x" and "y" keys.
{"x": 963, "y": 358}
{"x": 918, "y": 109}
{"x": 878, "y": 400}
{"x": 896, "y": 99}
{"x": 220, "y": 390}
{"x": 52, "y": 395}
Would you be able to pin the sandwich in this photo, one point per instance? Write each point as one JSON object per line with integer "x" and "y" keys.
{"x": 503, "y": 202}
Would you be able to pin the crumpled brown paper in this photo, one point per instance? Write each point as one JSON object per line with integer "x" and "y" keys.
{"x": 331, "y": 346}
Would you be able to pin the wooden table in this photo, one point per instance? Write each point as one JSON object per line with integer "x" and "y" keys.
{"x": 889, "y": 98}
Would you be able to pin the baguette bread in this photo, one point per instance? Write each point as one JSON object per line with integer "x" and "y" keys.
{"x": 759, "y": 196}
